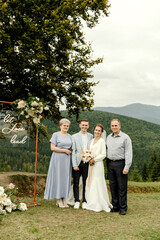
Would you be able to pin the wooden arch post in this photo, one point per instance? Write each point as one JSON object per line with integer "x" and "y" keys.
{"x": 33, "y": 204}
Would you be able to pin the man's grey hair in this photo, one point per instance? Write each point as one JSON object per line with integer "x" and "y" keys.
{"x": 116, "y": 120}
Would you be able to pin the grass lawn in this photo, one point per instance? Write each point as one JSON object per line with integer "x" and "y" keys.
{"x": 50, "y": 222}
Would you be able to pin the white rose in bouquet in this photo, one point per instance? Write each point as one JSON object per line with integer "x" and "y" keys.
{"x": 86, "y": 156}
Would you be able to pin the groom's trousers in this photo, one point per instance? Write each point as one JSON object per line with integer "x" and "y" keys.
{"x": 83, "y": 171}
{"x": 118, "y": 183}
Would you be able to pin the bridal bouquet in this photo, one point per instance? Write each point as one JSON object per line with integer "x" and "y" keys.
{"x": 87, "y": 156}
{"x": 7, "y": 200}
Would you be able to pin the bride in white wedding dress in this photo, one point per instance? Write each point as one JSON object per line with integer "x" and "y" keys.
{"x": 96, "y": 190}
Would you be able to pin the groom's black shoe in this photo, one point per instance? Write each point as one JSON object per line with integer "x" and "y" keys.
{"x": 122, "y": 212}
{"x": 114, "y": 210}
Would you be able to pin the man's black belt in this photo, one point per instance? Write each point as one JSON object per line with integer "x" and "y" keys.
{"x": 113, "y": 160}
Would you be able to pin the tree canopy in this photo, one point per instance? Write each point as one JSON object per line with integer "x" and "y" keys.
{"x": 43, "y": 51}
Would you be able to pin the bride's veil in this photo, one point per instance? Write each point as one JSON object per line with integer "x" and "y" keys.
{"x": 104, "y": 135}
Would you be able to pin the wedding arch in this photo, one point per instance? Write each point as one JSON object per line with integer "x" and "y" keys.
{"x": 39, "y": 106}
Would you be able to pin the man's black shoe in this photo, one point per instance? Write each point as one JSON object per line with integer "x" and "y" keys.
{"x": 114, "y": 210}
{"x": 122, "y": 212}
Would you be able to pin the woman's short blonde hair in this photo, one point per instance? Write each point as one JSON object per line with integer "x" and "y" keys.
{"x": 63, "y": 121}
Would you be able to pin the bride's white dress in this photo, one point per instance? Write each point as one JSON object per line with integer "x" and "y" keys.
{"x": 96, "y": 190}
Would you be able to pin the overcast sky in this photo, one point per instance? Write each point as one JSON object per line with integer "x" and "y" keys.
{"x": 129, "y": 42}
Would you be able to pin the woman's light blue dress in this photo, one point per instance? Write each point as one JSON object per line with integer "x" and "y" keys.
{"x": 59, "y": 172}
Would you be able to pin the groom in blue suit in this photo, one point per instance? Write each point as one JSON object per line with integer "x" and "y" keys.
{"x": 80, "y": 143}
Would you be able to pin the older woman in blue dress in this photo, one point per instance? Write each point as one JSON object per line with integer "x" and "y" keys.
{"x": 59, "y": 173}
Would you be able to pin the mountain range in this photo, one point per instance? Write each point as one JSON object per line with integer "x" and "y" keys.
{"x": 149, "y": 113}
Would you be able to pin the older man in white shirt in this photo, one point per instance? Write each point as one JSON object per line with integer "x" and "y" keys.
{"x": 119, "y": 160}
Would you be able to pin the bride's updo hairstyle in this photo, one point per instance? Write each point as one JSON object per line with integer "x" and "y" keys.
{"x": 99, "y": 125}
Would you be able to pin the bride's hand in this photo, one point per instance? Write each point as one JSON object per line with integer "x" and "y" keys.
{"x": 91, "y": 161}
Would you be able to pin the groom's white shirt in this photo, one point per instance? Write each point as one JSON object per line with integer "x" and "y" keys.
{"x": 84, "y": 141}
{"x": 77, "y": 147}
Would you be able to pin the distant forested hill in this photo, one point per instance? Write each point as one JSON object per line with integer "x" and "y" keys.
{"x": 145, "y": 112}
{"x": 145, "y": 137}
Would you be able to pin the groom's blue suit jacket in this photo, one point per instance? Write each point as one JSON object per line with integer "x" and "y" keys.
{"x": 77, "y": 147}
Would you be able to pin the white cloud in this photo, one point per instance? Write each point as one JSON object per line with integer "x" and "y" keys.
{"x": 129, "y": 42}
